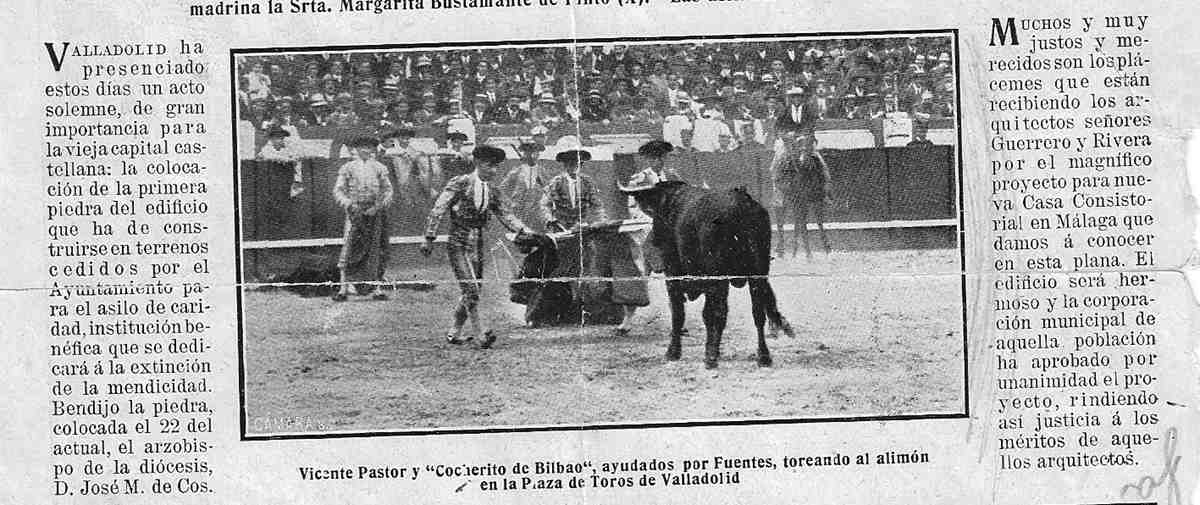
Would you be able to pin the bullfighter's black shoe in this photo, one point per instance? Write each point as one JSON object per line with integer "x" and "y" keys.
{"x": 454, "y": 340}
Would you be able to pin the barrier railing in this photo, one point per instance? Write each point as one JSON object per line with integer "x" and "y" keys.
{"x": 868, "y": 185}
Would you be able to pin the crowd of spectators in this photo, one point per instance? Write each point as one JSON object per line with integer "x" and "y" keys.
{"x": 846, "y": 79}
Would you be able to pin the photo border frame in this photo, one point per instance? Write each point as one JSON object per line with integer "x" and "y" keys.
{"x": 239, "y": 280}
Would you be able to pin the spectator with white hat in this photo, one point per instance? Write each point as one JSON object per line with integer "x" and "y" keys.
{"x": 545, "y": 111}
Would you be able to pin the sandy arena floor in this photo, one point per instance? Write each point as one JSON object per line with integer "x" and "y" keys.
{"x": 879, "y": 333}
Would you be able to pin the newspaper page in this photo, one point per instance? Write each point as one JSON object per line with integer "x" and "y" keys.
{"x": 599, "y": 251}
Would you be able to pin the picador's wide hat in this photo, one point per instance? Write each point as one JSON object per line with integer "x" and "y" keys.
{"x": 640, "y": 181}
{"x": 456, "y": 136}
{"x": 573, "y": 155}
{"x": 488, "y": 154}
{"x": 655, "y": 148}
{"x": 570, "y": 149}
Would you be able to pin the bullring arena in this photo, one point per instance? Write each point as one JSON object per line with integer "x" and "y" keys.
{"x": 878, "y": 333}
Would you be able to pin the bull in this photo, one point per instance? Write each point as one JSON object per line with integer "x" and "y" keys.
{"x": 709, "y": 240}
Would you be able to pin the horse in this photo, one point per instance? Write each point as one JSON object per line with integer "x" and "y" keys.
{"x": 802, "y": 182}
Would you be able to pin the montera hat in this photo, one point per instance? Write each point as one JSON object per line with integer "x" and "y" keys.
{"x": 488, "y": 154}
{"x": 655, "y": 148}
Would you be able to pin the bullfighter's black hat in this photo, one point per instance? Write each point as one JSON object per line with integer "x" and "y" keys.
{"x": 488, "y": 154}
{"x": 655, "y": 148}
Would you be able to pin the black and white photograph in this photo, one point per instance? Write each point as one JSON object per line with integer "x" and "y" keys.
{"x": 599, "y": 234}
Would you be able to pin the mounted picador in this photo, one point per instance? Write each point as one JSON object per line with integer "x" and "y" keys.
{"x": 710, "y": 239}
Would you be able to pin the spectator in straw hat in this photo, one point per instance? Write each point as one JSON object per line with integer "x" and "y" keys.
{"x": 545, "y": 111}
{"x": 512, "y": 113}
{"x": 799, "y": 113}
{"x": 394, "y": 80}
{"x": 337, "y": 74}
{"x": 594, "y": 107}
{"x": 364, "y": 190}
{"x": 428, "y": 111}
{"x": 424, "y": 69}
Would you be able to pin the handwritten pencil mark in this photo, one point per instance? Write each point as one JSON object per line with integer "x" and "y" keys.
{"x": 1147, "y": 485}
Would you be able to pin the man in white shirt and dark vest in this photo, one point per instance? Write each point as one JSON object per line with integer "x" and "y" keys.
{"x": 571, "y": 198}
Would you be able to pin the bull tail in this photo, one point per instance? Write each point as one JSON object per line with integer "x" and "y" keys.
{"x": 760, "y": 289}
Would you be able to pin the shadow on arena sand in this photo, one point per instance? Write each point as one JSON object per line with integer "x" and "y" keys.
{"x": 879, "y": 333}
